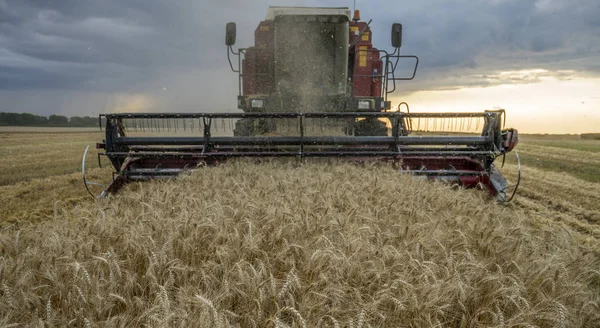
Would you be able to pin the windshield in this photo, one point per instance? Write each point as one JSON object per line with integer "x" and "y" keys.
{"x": 311, "y": 55}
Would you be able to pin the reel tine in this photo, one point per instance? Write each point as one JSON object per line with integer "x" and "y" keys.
{"x": 89, "y": 183}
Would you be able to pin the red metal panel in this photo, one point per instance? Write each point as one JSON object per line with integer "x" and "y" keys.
{"x": 366, "y": 63}
{"x": 249, "y": 72}
{"x": 264, "y": 71}
{"x": 376, "y": 67}
{"x": 264, "y": 35}
{"x": 258, "y": 72}
{"x": 257, "y": 67}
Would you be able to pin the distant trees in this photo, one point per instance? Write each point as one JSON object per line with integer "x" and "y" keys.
{"x": 590, "y": 136}
{"x": 26, "y": 119}
{"x": 83, "y": 121}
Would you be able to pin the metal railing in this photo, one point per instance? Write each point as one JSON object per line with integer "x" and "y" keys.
{"x": 397, "y": 143}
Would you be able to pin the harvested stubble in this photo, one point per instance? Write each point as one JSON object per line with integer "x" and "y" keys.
{"x": 280, "y": 245}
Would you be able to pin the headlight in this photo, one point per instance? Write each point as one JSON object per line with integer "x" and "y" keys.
{"x": 258, "y": 103}
{"x": 364, "y": 104}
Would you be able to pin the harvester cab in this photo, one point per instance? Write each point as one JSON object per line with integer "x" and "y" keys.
{"x": 312, "y": 85}
{"x": 315, "y": 60}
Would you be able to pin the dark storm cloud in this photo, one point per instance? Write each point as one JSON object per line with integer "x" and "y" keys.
{"x": 470, "y": 38}
{"x": 173, "y": 50}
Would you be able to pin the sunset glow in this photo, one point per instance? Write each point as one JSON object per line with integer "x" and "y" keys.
{"x": 548, "y": 106}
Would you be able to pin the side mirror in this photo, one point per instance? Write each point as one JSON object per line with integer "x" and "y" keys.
{"x": 230, "y": 33}
{"x": 396, "y": 35}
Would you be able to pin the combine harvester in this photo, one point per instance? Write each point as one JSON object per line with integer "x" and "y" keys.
{"x": 312, "y": 86}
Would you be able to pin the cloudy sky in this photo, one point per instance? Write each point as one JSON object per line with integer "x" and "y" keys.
{"x": 539, "y": 59}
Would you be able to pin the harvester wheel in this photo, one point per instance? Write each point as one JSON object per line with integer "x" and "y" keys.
{"x": 243, "y": 127}
{"x": 370, "y": 127}
{"x": 253, "y": 127}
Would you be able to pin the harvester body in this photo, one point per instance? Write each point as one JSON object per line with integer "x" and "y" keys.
{"x": 313, "y": 85}
{"x": 307, "y": 59}
{"x": 314, "y": 60}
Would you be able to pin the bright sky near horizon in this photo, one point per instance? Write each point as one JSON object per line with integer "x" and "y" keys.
{"x": 549, "y": 106}
{"x": 538, "y": 59}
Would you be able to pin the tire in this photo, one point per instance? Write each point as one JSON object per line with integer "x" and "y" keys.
{"x": 370, "y": 127}
{"x": 253, "y": 127}
{"x": 243, "y": 127}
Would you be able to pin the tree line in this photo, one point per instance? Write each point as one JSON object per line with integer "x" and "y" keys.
{"x": 26, "y": 119}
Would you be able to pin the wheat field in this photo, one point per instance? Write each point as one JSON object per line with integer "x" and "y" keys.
{"x": 290, "y": 244}
{"x": 298, "y": 245}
